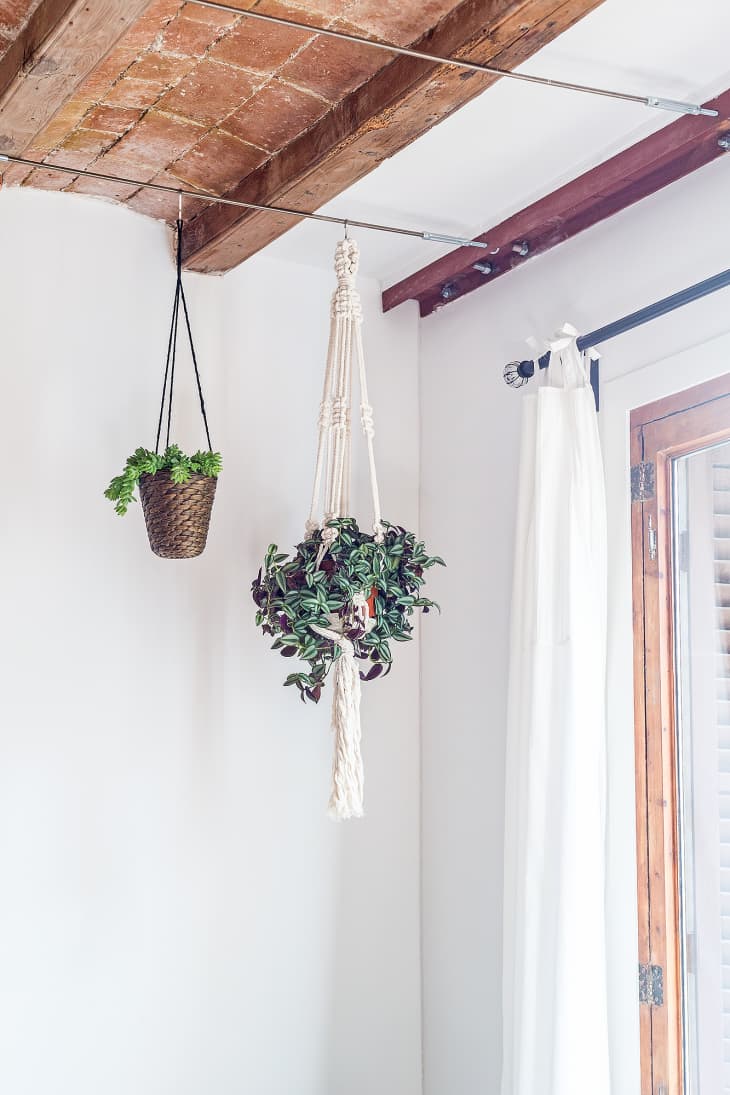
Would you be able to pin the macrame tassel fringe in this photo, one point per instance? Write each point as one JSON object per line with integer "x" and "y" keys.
{"x": 346, "y": 799}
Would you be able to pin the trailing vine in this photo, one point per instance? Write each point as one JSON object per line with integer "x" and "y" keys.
{"x": 316, "y": 588}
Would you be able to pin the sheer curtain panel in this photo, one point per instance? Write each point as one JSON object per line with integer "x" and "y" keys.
{"x": 554, "y": 999}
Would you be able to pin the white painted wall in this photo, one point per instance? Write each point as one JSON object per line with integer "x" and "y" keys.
{"x": 470, "y": 429}
{"x": 178, "y": 915}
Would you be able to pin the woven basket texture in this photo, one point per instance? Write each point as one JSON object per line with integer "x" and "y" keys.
{"x": 177, "y": 514}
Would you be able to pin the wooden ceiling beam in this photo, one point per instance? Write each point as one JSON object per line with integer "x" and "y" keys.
{"x": 62, "y": 42}
{"x": 646, "y": 167}
{"x": 401, "y": 101}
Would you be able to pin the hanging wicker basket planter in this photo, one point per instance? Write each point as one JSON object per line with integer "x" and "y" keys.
{"x": 177, "y": 515}
{"x": 177, "y": 491}
{"x": 344, "y": 594}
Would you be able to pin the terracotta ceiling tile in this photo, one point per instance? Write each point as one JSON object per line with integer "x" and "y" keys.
{"x": 263, "y": 47}
{"x": 160, "y": 69}
{"x": 216, "y": 19}
{"x": 211, "y": 92}
{"x": 13, "y": 174}
{"x": 143, "y": 32}
{"x": 112, "y": 119}
{"x": 163, "y": 205}
{"x": 133, "y": 93}
{"x": 217, "y": 162}
{"x": 59, "y": 127}
{"x": 188, "y": 37}
{"x": 332, "y": 68}
{"x": 115, "y": 162}
{"x": 88, "y": 141}
{"x": 13, "y": 13}
{"x": 276, "y": 115}
{"x": 47, "y": 180}
{"x": 395, "y": 21}
{"x": 69, "y": 157}
{"x": 314, "y": 12}
{"x": 104, "y": 75}
{"x": 157, "y": 140}
{"x": 99, "y": 188}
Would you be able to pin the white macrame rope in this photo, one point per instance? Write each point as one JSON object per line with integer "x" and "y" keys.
{"x": 334, "y": 443}
{"x": 332, "y": 479}
{"x": 368, "y": 428}
{"x": 346, "y": 798}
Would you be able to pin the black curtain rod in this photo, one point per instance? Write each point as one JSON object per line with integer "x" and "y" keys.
{"x": 517, "y": 373}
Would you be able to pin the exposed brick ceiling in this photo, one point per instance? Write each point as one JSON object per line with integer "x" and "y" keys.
{"x": 188, "y": 95}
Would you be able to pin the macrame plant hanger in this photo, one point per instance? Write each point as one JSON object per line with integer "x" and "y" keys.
{"x": 172, "y": 346}
{"x": 333, "y": 472}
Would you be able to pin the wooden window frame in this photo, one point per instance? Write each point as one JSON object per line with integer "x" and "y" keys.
{"x": 660, "y": 432}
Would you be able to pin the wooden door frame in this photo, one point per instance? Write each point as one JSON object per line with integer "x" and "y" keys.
{"x": 660, "y": 432}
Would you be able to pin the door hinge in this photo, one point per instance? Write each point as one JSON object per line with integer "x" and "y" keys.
{"x": 643, "y": 482}
{"x": 651, "y": 538}
{"x": 651, "y": 985}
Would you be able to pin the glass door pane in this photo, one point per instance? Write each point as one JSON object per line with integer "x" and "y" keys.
{"x": 701, "y": 578}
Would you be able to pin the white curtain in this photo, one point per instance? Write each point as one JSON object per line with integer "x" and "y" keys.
{"x": 554, "y": 1000}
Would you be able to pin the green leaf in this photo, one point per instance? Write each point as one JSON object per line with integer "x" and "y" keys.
{"x": 360, "y": 565}
{"x": 145, "y": 462}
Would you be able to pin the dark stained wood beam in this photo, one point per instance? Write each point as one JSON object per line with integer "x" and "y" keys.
{"x": 401, "y": 101}
{"x": 51, "y": 57}
{"x": 666, "y": 156}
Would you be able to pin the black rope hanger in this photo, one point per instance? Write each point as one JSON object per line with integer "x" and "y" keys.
{"x": 172, "y": 350}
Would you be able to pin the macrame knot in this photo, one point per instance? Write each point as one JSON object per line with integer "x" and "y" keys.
{"x": 379, "y": 532}
{"x": 310, "y": 528}
{"x": 346, "y": 647}
{"x": 347, "y": 774}
{"x": 366, "y": 418}
{"x": 347, "y": 260}
{"x": 329, "y": 535}
{"x": 340, "y": 415}
{"x": 325, "y": 414}
{"x": 346, "y": 302}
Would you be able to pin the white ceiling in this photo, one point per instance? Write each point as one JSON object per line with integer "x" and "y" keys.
{"x": 516, "y": 142}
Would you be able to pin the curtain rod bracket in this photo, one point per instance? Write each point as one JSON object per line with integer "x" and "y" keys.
{"x": 517, "y": 373}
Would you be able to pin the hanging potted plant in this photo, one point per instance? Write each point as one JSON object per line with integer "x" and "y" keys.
{"x": 343, "y": 595}
{"x": 177, "y": 491}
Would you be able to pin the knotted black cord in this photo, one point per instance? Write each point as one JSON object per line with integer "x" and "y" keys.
{"x": 172, "y": 353}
